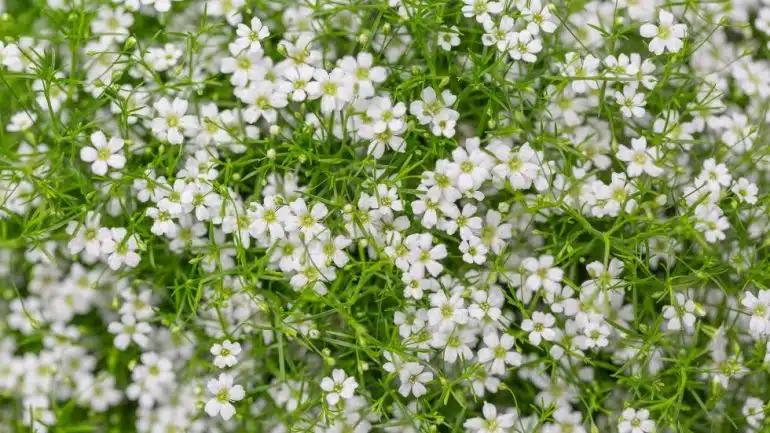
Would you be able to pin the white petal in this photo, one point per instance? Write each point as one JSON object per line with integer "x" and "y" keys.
{"x": 227, "y": 411}
{"x": 88, "y": 154}
{"x": 648, "y": 30}
{"x": 212, "y": 407}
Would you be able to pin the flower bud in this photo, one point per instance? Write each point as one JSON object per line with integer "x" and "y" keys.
{"x": 130, "y": 43}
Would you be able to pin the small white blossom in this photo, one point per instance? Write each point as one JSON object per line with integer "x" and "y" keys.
{"x": 225, "y": 393}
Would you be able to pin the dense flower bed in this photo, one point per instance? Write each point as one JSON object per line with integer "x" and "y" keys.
{"x": 397, "y": 216}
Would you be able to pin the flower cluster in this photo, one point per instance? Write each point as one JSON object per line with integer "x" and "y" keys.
{"x": 321, "y": 216}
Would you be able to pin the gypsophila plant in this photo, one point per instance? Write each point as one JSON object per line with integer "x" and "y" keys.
{"x": 385, "y": 216}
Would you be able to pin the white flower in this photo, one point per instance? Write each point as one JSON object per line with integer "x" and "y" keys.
{"x": 431, "y": 104}
{"x": 268, "y": 218}
{"x": 448, "y": 39}
{"x": 745, "y": 190}
{"x": 387, "y": 199}
{"x": 610, "y": 199}
{"x": 240, "y": 64}
{"x": 137, "y": 305}
{"x": 594, "y": 334}
{"x": 410, "y": 321}
{"x": 249, "y": 37}
{"x": 605, "y": 278}
{"x": 481, "y": 9}
{"x": 328, "y": 249}
{"x": 98, "y": 392}
{"x": 578, "y": 69}
{"x": 474, "y": 250}
{"x": 127, "y": 330}
{"x": 212, "y": 132}
{"x": 465, "y": 222}
{"x": 498, "y": 35}
{"x": 714, "y": 176}
{"x": 486, "y": 306}
{"x": 523, "y": 46}
{"x": 753, "y": 410}
{"x": 621, "y": 66}
{"x": 363, "y": 73}
{"x": 314, "y": 275}
{"x": 88, "y": 236}
{"x": 263, "y": 99}
{"x": 413, "y": 379}
{"x": 226, "y": 354}
{"x": 230, "y": 9}
{"x": 11, "y": 57}
{"x": 424, "y": 256}
{"x": 666, "y": 35}
{"x": 415, "y": 287}
{"x": 682, "y": 314}
{"x": 385, "y": 127}
{"x": 297, "y": 81}
{"x": 710, "y": 220}
{"x": 631, "y": 102}
{"x": 640, "y": 159}
{"x": 542, "y": 273}
{"x": 492, "y": 422}
{"x": 22, "y": 120}
{"x": 121, "y": 248}
{"x": 498, "y": 352}
{"x": 495, "y": 232}
{"x": 446, "y": 312}
{"x": 112, "y": 24}
{"x": 636, "y": 421}
{"x": 539, "y": 327}
{"x": 163, "y": 58}
{"x": 456, "y": 345}
{"x": 224, "y": 394}
{"x": 562, "y": 302}
{"x": 538, "y": 17}
{"x": 469, "y": 168}
{"x": 164, "y": 223}
{"x": 173, "y": 123}
{"x": 335, "y": 89}
{"x": 519, "y": 166}
{"x": 759, "y": 308}
{"x": 338, "y": 387}
{"x": 159, "y": 5}
{"x": 103, "y": 154}
{"x": 307, "y": 221}
{"x": 444, "y": 123}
